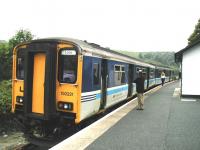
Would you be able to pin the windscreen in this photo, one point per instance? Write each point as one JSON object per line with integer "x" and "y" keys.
{"x": 68, "y": 59}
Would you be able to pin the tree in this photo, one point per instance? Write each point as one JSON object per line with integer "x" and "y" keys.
{"x": 6, "y": 52}
{"x": 140, "y": 56}
{"x": 195, "y": 36}
{"x": 4, "y": 61}
{"x": 20, "y": 37}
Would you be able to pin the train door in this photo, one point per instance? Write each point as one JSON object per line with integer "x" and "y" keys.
{"x": 38, "y": 83}
{"x": 104, "y": 82}
{"x": 157, "y": 76}
{"x": 144, "y": 72}
{"x": 130, "y": 80}
{"x": 148, "y": 77}
{"x": 170, "y": 75}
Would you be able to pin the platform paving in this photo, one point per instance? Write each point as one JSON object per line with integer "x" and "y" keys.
{"x": 166, "y": 123}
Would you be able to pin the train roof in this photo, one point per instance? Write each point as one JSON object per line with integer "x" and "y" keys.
{"x": 163, "y": 68}
{"x": 93, "y": 49}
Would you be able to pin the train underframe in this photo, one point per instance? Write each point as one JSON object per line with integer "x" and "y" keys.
{"x": 52, "y": 129}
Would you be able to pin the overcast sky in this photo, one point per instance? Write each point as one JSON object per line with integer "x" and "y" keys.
{"x": 133, "y": 25}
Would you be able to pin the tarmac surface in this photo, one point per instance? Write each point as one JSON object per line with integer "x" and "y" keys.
{"x": 166, "y": 123}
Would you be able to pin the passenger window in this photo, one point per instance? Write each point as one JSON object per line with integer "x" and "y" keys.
{"x": 119, "y": 75}
{"x": 152, "y": 73}
{"x": 20, "y": 64}
{"x": 67, "y": 65}
{"x": 122, "y": 69}
{"x": 123, "y": 74}
{"x": 144, "y": 73}
{"x": 123, "y": 78}
{"x": 137, "y": 69}
{"x": 117, "y": 68}
{"x": 96, "y": 74}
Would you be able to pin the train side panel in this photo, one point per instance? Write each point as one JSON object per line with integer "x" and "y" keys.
{"x": 18, "y": 79}
{"x": 91, "y": 87}
{"x": 152, "y": 80}
{"x": 132, "y": 85}
{"x": 167, "y": 75}
{"x": 117, "y": 88}
{"x": 144, "y": 72}
{"x": 68, "y": 83}
{"x": 157, "y": 76}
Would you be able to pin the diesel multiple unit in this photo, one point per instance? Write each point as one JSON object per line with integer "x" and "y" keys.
{"x": 60, "y": 81}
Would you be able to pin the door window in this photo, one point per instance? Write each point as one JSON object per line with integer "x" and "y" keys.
{"x": 96, "y": 74}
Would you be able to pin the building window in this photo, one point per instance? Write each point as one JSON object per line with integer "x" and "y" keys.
{"x": 20, "y": 64}
{"x": 67, "y": 65}
{"x": 96, "y": 74}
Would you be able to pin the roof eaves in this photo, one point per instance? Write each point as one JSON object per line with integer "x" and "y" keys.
{"x": 179, "y": 54}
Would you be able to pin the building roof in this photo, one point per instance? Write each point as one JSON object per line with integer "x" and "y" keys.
{"x": 179, "y": 54}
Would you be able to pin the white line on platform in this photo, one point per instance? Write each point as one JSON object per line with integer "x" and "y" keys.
{"x": 188, "y": 100}
{"x": 176, "y": 92}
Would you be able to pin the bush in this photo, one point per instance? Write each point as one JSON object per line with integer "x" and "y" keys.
{"x": 5, "y": 96}
{"x": 5, "y": 61}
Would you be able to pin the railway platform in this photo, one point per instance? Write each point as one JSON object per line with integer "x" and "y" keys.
{"x": 166, "y": 123}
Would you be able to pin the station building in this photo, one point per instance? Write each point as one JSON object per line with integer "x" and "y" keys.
{"x": 189, "y": 59}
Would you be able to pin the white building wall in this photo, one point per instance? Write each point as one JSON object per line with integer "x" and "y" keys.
{"x": 191, "y": 71}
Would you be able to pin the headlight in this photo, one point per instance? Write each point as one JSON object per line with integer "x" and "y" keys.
{"x": 20, "y": 99}
{"x": 65, "y": 106}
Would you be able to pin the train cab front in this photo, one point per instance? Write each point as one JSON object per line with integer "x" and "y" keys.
{"x": 46, "y": 85}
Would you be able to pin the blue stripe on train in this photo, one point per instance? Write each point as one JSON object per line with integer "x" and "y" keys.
{"x": 98, "y": 96}
{"x": 117, "y": 90}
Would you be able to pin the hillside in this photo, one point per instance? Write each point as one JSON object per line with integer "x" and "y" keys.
{"x": 156, "y": 58}
{"x": 2, "y": 41}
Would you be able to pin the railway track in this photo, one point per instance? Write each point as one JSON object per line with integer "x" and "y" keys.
{"x": 30, "y": 146}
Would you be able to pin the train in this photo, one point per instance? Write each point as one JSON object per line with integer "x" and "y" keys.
{"x": 57, "y": 82}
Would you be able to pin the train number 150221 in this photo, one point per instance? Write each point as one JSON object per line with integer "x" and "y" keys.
{"x": 67, "y": 93}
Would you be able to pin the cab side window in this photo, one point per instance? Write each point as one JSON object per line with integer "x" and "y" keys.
{"x": 20, "y": 65}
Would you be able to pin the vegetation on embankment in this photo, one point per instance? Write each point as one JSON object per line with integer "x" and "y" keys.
{"x": 6, "y": 67}
{"x": 165, "y": 59}
{"x": 5, "y": 96}
{"x": 7, "y": 123}
{"x": 6, "y": 48}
